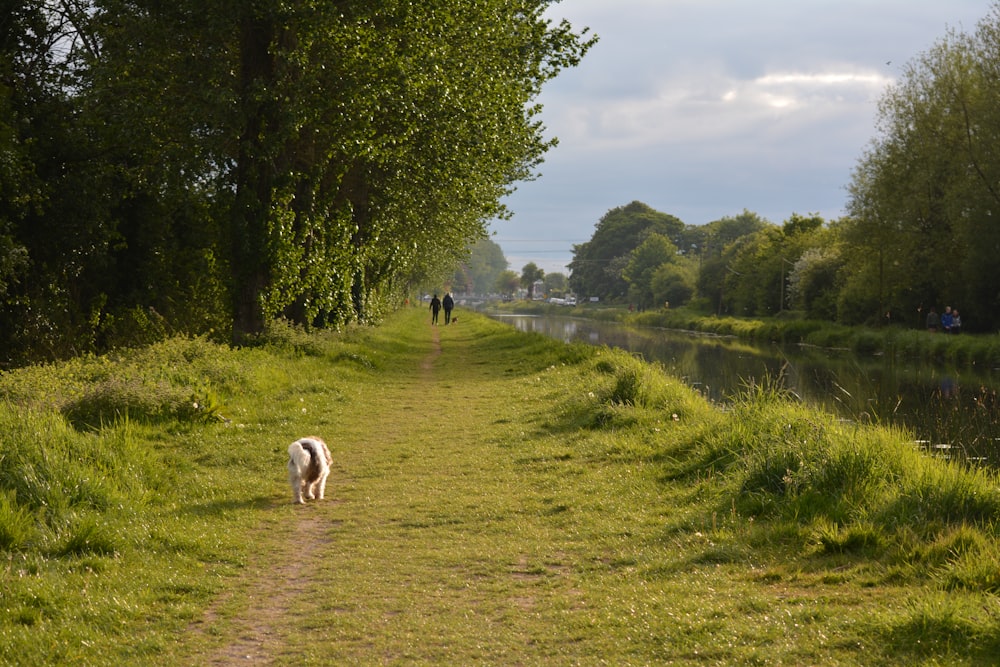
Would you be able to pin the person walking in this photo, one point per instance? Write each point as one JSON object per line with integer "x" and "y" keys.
{"x": 435, "y": 309}
{"x": 449, "y": 304}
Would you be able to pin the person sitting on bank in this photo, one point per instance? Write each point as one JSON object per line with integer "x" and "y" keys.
{"x": 933, "y": 321}
{"x": 946, "y": 319}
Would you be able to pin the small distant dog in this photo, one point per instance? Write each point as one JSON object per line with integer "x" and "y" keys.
{"x": 308, "y": 467}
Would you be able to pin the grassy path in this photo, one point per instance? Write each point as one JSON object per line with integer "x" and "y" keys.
{"x": 436, "y": 543}
{"x": 469, "y": 521}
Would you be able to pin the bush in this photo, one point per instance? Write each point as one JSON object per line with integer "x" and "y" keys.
{"x": 867, "y": 342}
{"x": 138, "y": 399}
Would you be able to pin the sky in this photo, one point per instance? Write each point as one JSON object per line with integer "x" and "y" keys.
{"x": 705, "y": 108}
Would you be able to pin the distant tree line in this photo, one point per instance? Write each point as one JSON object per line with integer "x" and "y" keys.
{"x": 746, "y": 266}
{"x": 485, "y": 272}
{"x": 922, "y": 228}
{"x": 206, "y": 166}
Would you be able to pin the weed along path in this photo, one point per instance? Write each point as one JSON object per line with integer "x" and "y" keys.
{"x": 499, "y": 498}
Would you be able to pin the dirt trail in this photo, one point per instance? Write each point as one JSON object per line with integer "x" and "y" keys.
{"x": 273, "y": 592}
{"x": 277, "y": 581}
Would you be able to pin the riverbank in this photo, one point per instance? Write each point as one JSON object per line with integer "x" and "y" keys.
{"x": 972, "y": 350}
{"x": 496, "y": 498}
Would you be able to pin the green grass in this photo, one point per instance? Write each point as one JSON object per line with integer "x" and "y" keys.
{"x": 496, "y": 498}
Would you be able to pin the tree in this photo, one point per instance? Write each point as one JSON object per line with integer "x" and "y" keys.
{"x": 331, "y": 156}
{"x": 484, "y": 266}
{"x": 653, "y": 253}
{"x": 753, "y": 270}
{"x": 673, "y": 284}
{"x": 814, "y": 283}
{"x": 58, "y": 190}
{"x": 598, "y": 265}
{"x": 531, "y": 274}
{"x": 716, "y": 254}
{"x": 923, "y": 196}
{"x": 222, "y": 164}
{"x": 507, "y": 283}
{"x": 556, "y": 283}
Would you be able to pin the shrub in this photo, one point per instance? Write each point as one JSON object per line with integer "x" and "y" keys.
{"x": 797, "y": 331}
{"x": 867, "y": 342}
{"x": 137, "y": 399}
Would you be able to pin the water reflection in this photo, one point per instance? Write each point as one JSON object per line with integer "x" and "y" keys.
{"x": 941, "y": 406}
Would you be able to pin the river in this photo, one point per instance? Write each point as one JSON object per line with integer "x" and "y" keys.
{"x": 950, "y": 411}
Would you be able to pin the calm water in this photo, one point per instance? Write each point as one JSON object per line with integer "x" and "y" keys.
{"x": 947, "y": 409}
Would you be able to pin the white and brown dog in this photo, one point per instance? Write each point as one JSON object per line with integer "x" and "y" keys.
{"x": 308, "y": 467}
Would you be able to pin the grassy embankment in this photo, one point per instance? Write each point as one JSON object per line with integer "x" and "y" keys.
{"x": 904, "y": 342}
{"x": 496, "y": 498}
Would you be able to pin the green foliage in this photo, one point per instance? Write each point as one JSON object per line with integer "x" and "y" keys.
{"x": 203, "y": 169}
{"x": 923, "y": 194}
{"x": 139, "y": 399}
{"x": 859, "y": 539}
{"x": 530, "y": 274}
{"x": 88, "y": 535}
{"x": 481, "y": 271}
{"x": 962, "y": 350}
{"x": 635, "y": 389}
{"x": 940, "y": 625}
{"x": 289, "y": 338}
{"x": 556, "y": 283}
{"x": 598, "y": 264}
{"x": 814, "y": 283}
{"x": 653, "y": 253}
{"x": 673, "y": 284}
{"x": 507, "y": 283}
{"x": 179, "y": 379}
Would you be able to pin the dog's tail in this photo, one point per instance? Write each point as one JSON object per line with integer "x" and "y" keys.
{"x": 300, "y": 454}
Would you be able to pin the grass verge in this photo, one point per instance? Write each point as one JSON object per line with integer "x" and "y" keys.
{"x": 496, "y": 498}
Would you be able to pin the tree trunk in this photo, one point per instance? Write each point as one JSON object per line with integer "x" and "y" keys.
{"x": 254, "y": 176}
